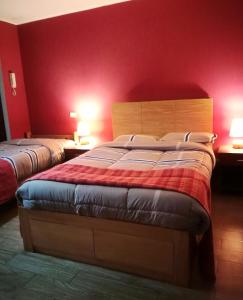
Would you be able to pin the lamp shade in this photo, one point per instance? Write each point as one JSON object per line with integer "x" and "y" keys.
{"x": 83, "y": 129}
{"x": 236, "y": 129}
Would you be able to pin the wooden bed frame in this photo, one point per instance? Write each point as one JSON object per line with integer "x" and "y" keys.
{"x": 147, "y": 250}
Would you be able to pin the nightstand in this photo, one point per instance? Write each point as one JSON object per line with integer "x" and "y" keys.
{"x": 75, "y": 151}
{"x": 230, "y": 168}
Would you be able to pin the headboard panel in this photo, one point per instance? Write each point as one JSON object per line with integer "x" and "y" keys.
{"x": 160, "y": 117}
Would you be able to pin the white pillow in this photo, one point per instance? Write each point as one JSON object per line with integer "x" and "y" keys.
{"x": 197, "y": 137}
{"x": 140, "y": 138}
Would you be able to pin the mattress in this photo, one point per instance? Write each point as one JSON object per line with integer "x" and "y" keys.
{"x": 29, "y": 156}
{"x": 158, "y": 207}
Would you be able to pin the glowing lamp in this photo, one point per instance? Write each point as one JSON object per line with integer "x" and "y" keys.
{"x": 236, "y": 131}
{"x": 81, "y": 136}
{"x": 86, "y": 115}
{"x": 83, "y": 129}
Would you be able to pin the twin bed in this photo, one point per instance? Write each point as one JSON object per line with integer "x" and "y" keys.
{"x": 21, "y": 158}
{"x": 138, "y": 204}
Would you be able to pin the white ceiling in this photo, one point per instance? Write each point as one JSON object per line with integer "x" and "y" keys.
{"x": 24, "y": 11}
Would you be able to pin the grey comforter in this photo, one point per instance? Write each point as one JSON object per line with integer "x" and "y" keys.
{"x": 147, "y": 206}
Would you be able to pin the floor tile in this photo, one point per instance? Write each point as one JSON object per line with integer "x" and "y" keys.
{"x": 45, "y": 265}
{"x": 61, "y": 289}
{"x": 25, "y": 276}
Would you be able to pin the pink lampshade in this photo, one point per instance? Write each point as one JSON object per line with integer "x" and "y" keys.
{"x": 236, "y": 129}
{"x": 83, "y": 129}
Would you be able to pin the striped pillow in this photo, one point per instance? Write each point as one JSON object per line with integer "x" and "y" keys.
{"x": 197, "y": 137}
{"x": 140, "y": 138}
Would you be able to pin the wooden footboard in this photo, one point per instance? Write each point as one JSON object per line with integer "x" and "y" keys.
{"x": 151, "y": 251}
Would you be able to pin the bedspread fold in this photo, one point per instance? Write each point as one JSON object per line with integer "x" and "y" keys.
{"x": 183, "y": 180}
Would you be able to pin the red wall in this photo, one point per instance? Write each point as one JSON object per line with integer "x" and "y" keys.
{"x": 10, "y": 59}
{"x": 142, "y": 49}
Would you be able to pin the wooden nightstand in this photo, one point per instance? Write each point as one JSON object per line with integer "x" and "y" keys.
{"x": 230, "y": 168}
{"x": 73, "y": 152}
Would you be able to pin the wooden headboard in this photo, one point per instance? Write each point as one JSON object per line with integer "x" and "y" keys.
{"x": 29, "y": 135}
{"x": 160, "y": 117}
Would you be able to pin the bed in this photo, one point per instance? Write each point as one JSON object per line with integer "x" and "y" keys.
{"x": 21, "y": 158}
{"x": 63, "y": 218}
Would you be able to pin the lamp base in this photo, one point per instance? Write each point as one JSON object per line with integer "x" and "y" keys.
{"x": 83, "y": 141}
{"x": 237, "y": 144}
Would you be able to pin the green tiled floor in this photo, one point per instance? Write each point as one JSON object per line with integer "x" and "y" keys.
{"x": 25, "y": 276}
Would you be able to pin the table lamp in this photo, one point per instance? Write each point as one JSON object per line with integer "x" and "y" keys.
{"x": 236, "y": 131}
{"x": 83, "y": 133}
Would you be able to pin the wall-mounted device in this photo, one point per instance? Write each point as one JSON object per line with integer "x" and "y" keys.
{"x": 12, "y": 79}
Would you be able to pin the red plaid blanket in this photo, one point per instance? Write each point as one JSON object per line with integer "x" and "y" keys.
{"x": 8, "y": 181}
{"x": 187, "y": 181}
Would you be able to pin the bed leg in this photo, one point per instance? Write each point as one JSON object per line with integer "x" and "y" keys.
{"x": 25, "y": 229}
